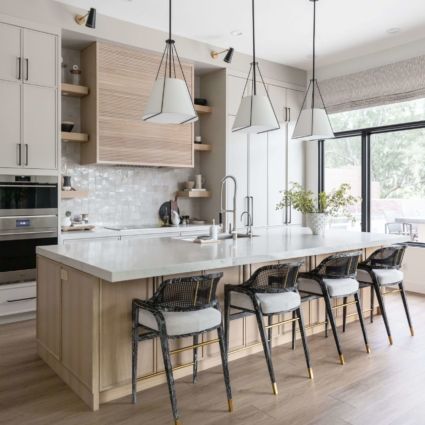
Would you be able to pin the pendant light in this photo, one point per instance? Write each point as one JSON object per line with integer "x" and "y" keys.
{"x": 313, "y": 122}
{"x": 255, "y": 114}
{"x": 170, "y": 101}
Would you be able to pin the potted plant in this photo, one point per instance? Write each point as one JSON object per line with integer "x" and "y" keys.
{"x": 317, "y": 209}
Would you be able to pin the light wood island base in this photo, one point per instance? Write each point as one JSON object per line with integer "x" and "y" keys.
{"x": 84, "y": 330}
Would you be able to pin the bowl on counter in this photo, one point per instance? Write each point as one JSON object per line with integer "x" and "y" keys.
{"x": 67, "y": 126}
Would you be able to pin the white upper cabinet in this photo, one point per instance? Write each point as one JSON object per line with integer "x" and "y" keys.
{"x": 10, "y": 124}
{"x": 39, "y": 135}
{"x": 39, "y": 58}
{"x": 10, "y": 52}
{"x": 294, "y": 102}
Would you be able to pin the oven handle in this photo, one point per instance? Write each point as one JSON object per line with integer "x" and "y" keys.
{"x": 35, "y": 186}
{"x": 29, "y": 234}
{"x": 28, "y": 216}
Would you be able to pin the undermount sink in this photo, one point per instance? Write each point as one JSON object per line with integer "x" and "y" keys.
{"x": 222, "y": 236}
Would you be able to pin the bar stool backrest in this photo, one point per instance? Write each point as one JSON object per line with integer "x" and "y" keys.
{"x": 187, "y": 293}
{"x": 339, "y": 266}
{"x": 275, "y": 278}
{"x": 389, "y": 257}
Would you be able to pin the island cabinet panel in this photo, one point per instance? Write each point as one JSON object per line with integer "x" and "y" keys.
{"x": 49, "y": 306}
{"x": 123, "y": 81}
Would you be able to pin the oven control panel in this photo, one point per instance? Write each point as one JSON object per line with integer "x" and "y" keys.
{"x": 23, "y": 222}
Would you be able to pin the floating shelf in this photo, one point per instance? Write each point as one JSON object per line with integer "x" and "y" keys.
{"x": 74, "y": 90}
{"x": 71, "y": 194}
{"x": 202, "y": 147}
{"x": 193, "y": 194}
{"x": 201, "y": 109}
{"x": 74, "y": 137}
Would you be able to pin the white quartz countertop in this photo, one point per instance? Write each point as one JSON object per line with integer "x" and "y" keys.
{"x": 121, "y": 260}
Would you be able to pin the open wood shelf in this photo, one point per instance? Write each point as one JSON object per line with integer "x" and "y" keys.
{"x": 202, "y": 147}
{"x": 74, "y": 90}
{"x": 74, "y": 137}
{"x": 71, "y": 194}
{"x": 200, "y": 109}
{"x": 193, "y": 194}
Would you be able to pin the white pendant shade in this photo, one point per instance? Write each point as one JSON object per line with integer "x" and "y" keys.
{"x": 313, "y": 124}
{"x": 170, "y": 103}
{"x": 255, "y": 115}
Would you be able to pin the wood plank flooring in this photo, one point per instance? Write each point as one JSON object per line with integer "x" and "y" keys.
{"x": 386, "y": 387}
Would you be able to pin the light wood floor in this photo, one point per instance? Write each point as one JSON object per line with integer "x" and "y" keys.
{"x": 386, "y": 387}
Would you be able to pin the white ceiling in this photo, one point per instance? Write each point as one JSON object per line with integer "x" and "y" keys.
{"x": 345, "y": 29}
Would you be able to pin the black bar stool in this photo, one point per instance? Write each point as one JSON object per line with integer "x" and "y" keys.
{"x": 270, "y": 290}
{"x": 180, "y": 307}
{"x": 382, "y": 270}
{"x": 335, "y": 277}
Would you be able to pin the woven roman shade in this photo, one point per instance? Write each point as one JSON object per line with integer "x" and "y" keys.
{"x": 396, "y": 82}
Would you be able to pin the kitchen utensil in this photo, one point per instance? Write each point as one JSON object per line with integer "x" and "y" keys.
{"x": 175, "y": 218}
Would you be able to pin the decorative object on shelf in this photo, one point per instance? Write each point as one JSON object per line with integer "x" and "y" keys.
{"x": 89, "y": 19}
{"x": 67, "y": 126}
{"x": 227, "y": 58}
{"x": 66, "y": 185}
{"x": 313, "y": 121}
{"x": 335, "y": 204}
{"x": 85, "y": 218}
{"x": 201, "y": 101}
{"x": 199, "y": 181}
{"x": 198, "y": 139}
{"x": 66, "y": 220}
{"x": 170, "y": 101}
{"x": 189, "y": 185}
{"x": 255, "y": 114}
{"x": 75, "y": 75}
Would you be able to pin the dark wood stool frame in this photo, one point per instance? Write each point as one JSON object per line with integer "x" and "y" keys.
{"x": 338, "y": 266}
{"x": 178, "y": 295}
{"x": 268, "y": 279}
{"x": 387, "y": 258}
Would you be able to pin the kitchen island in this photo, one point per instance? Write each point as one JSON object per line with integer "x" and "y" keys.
{"x": 84, "y": 294}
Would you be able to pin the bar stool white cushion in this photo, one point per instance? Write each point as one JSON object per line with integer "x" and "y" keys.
{"x": 182, "y": 323}
{"x": 269, "y": 303}
{"x": 336, "y": 287}
{"x": 383, "y": 276}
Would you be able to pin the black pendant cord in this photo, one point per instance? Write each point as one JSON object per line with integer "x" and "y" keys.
{"x": 314, "y": 52}
{"x": 169, "y": 38}
{"x": 254, "y": 82}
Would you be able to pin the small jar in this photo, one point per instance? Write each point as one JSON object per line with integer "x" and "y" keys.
{"x": 75, "y": 76}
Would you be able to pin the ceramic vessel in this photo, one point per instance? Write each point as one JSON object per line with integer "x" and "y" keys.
{"x": 316, "y": 222}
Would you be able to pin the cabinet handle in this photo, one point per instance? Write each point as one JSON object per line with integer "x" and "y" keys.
{"x": 26, "y": 153}
{"x": 27, "y": 67}
{"x": 19, "y": 65}
{"x": 289, "y": 114}
{"x": 21, "y": 299}
{"x": 290, "y": 212}
{"x": 286, "y": 114}
{"x": 19, "y": 153}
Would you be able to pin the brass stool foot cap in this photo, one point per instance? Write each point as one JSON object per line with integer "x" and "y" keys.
{"x": 177, "y": 422}
{"x": 310, "y": 373}
{"x": 368, "y": 349}
{"x": 341, "y": 359}
{"x": 230, "y": 404}
{"x": 275, "y": 391}
{"x": 390, "y": 339}
{"x": 412, "y": 332}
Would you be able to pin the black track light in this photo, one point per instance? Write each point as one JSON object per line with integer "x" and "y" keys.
{"x": 89, "y": 19}
{"x": 229, "y": 54}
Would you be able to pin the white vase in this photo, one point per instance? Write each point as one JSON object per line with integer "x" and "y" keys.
{"x": 316, "y": 222}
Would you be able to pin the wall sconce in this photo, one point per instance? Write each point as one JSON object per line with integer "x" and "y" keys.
{"x": 89, "y": 19}
{"x": 227, "y": 58}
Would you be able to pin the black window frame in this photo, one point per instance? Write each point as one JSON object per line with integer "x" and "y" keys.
{"x": 365, "y": 135}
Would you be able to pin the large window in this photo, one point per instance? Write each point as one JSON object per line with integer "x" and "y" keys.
{"x": 380, "y": 152}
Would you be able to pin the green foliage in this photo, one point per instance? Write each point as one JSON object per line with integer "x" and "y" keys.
{"x": 334, "y": 203}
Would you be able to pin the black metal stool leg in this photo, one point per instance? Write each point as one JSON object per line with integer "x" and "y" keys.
{"x": 134, "y": 355}
{"x": 383, "y": 311}
{"x": 326, "y": 323}
{"x": 333, "y": 326}
{"x": 227, "y": 295}
{"x": 225, "y": 364}
{"x": 304, "y": 341}
{"x": 372, "y": 303}
{"x": 406, "y": 307}
{"x": 170, "y": 379}
{"x": 360, "y": 314}
{"x": 269, "y": 332}
{"x": 293, "y": 329}
{"x": 344, "y": 314}
{"x": 195, "y": 359}
{"x": 266, "y": 348}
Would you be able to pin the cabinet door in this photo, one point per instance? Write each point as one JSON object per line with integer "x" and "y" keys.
{"x": 39, "y": 58}
{"x": 277, "y": 168}
{"x": 237, "y": 166}
{"x": 278, "y": 98}
{"x": 257, "y": 180}
{"x": 10, "y": 52}
{"x": 10, "y": 123}
{"x": 40, "y": 128}
{"x": 294, "y": 101}
{"x": 235, "y": 86}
